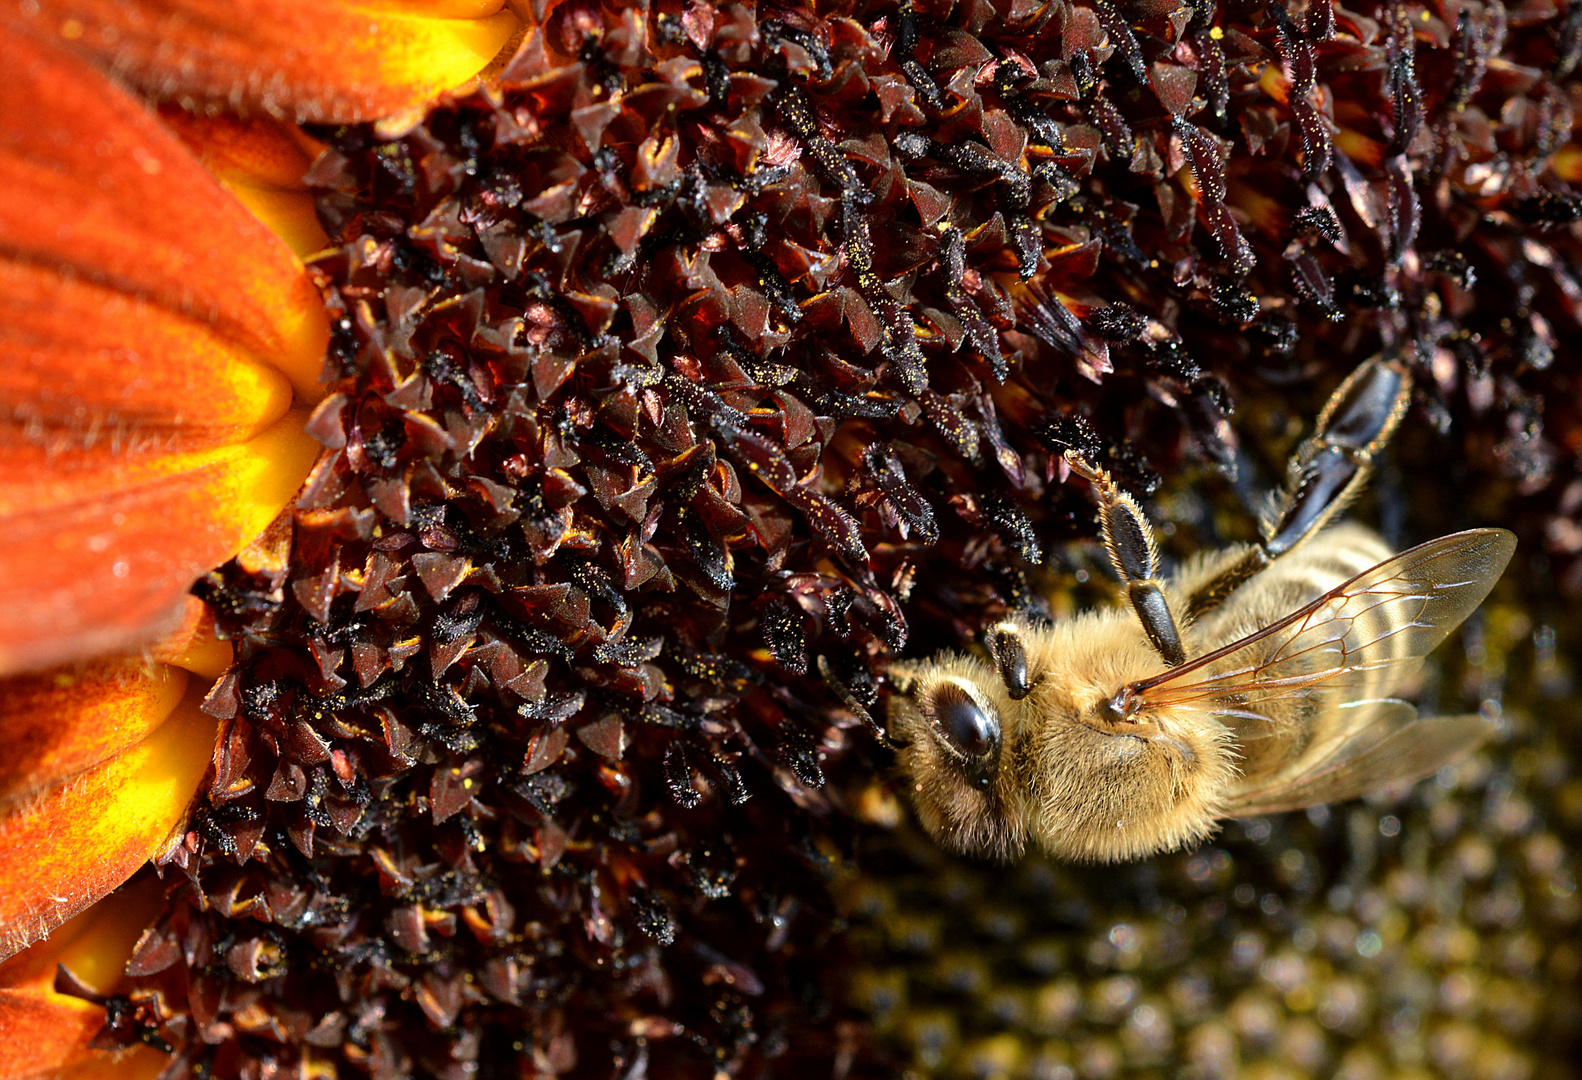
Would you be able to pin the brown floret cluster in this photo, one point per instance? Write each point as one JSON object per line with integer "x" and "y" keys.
{"x": 708, "y": 357}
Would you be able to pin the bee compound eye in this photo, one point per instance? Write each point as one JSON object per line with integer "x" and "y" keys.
{"x": 971, "y": 731}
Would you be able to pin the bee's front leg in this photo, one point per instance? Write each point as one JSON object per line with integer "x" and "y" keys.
{"x": 1330, "y": 467}
{"x": 1005, "y": 645}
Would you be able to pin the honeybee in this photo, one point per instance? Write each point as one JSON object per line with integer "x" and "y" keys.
{"x": 1119, "y": 734}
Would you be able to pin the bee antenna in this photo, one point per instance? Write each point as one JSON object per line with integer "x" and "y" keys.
{"x": 1010, "y": 657}
{"x": 849, "y": 699}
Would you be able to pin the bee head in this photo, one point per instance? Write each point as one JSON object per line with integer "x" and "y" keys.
{"x": 952, "y": 721}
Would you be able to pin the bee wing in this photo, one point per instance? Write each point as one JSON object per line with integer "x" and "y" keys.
{"x": 1340, "y": 658}
{"x": 1393, "y": 746}
{"x": 1351, "y": 645}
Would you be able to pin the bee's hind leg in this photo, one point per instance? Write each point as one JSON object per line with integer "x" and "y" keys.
{"x": 1324, "y": 474}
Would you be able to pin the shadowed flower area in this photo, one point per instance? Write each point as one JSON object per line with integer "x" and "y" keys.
{"x": 646, "y": 399}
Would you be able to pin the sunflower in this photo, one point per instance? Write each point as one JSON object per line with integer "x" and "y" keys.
{"x": 160, "y": 344}
{"x": 648, "y": 396}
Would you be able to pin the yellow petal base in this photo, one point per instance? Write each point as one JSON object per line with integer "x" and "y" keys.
{"x": 43, "y": 1034}
{"x": 79, "y": 841}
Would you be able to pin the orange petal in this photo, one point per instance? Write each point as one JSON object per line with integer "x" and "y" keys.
{"x": 46, "y": 1033}
{"x": 262, "y": 162}
{"x": 133, "y": 1063}
{"x": 59, "y": 723}
{"x": 194, "y": 646}
{"x": 77, "y": 842}
{"x": 97, "y": 189}
{"x": 153, "y": 335}
{"x": 94, "y": 575}
{"x": 334, "y": 61}
{"x": 99, "y": 387}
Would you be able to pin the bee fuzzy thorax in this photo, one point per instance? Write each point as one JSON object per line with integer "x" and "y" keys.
{"x": 1113, "y": 790}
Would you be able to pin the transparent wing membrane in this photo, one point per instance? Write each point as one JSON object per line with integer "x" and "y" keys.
{"x": 1322, "y": 678}
{"x": 1371, "y": 760}
{"x": 1356, "y": 641}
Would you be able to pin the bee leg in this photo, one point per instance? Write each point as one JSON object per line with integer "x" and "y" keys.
{"x": 1129, "y": 542}
{"x": 1010, "y": 657}
{"x": 1325, "y": 473}
{"x": 1331, "y": 466}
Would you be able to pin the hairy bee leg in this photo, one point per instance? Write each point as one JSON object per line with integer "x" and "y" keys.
{"x": 1133, "y": 551}
{"x": 1010, "y": 657}
{"x": 1325, "y": 473}
{"x": 1330, "y": 467}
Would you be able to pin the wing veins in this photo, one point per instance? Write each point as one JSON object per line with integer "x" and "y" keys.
{"x": 1346, "y": 610}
